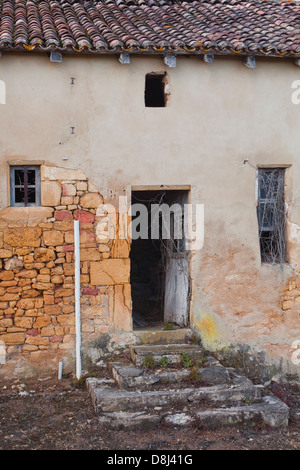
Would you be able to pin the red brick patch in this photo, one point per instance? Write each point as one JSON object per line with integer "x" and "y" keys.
{"x": 84, "y": 217}
{"x": 63, "y": 215}
{"x": 89, "y": 291}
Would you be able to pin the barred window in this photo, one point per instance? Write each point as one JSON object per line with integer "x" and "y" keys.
{"x": 271, "y": 215}
{"x": 25, "y": 186}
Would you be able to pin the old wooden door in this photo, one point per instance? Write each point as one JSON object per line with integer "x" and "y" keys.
{"x": 176, "y": 300}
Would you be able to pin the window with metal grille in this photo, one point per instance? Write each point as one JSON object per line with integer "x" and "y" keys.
{"x": 271, "y": 215}
{"x": 25, "y": 186}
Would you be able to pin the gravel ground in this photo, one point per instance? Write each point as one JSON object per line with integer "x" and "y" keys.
{"x": 50, "y": 414}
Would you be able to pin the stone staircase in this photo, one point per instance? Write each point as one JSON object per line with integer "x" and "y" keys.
{"x": 179, "y": 384}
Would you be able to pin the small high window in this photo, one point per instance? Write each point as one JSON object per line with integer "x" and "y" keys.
{"x": 271, "y": 215}
{"x": 25, "y": 186}
{"x": 155, "y": 91}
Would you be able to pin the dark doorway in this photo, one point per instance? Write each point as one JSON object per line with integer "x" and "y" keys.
{"x": 151, "y": 263}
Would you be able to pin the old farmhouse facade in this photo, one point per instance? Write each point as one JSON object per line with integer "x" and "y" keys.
{"x": 149, "y": 102}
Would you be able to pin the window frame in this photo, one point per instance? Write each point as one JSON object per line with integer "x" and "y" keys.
{"x": 272, "y": 202}
{"x": 36, "y": 186}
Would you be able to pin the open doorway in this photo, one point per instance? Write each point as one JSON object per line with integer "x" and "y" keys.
{"x": 159, "y": 261}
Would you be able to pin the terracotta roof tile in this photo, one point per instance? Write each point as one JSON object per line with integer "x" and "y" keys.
{"x": 257, "y": 27}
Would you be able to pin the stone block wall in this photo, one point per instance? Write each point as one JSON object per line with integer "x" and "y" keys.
{"x": 37, "y": 303}
{"x": 291, "y": 302}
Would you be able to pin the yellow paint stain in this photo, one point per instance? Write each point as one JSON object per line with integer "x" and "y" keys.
{"x": 206, "y": 324}
{"x": 208, "y": 327}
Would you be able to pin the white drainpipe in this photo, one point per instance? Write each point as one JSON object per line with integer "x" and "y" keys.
{"x": 77, "y": 298}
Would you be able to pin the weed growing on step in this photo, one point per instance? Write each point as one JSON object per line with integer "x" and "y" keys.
{"x": 247, "y": 400}
{"x": 169, "y": 326}
{"x": 201, "y": 361}
{"x": 164, "y": 361}
{"x": 194, "y": 375}
{"x": 149, "y": 362}
{"x": 186, "y": 360}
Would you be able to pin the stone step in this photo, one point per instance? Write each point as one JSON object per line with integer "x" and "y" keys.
{"x": 129, "y": 376}
{"x": 160, "y": 336}
{"x": 271, "y": 412}
{"x": 110, "y": 399}
{"x": 172, "y": 352}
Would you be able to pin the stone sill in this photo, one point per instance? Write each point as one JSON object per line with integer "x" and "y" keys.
{"x": 25, "y": 214}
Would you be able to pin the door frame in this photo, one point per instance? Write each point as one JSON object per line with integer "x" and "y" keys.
{"x": 178, "y": 187}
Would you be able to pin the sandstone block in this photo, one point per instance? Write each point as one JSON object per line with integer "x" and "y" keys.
{"x": 53, "y": 238}
{"x": 66, "y": 320}
{"x": 6, "y": 276}
{"x": 13, "y": 338}
{"x": 92, "y": 188}
{"x": 69, "y": 190}
{"x": 5, "y": 253}
{"x": 32, "y": 312}
{"x": 67, "y": 201}
{"x": 120, "y": 248}
{"x": 30, "y": 347}
{"x": 26, "y": 304}
{"x": 63, "y": 225}
{"x": 6, "y": 322}
{"x": 89, "y": 254}
{"x": 43, "y": 255}
{"x": 37, "y": 340}
{"x": 56, "y": 173}
{"x": 109, "y": 272}
{"x": 50, "y": 193}
{"x": 122, "y": 308}
{"x": 69, "y": 269}
{"x": 53, "y": 310}
{"x": 48, "y": 331}
{"x": 23, "y": 237}
{"x": 91, "y": 200}
{"x": 30, "y": 293}
{"x": 62, "y": 292}
{"x": 42, "y": 321}
{"x": 43, "y": 278}
{"x": 68, "y": 309}
{"x": 27, "y": 273}
{"x": 9, "y": 297}
{"x": 81, "y": 186}
{"x": 24, "y": 322}
{"x": 57, "y": 279}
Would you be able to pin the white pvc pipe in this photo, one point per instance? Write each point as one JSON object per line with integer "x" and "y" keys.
{"x": 60, "y": 369}
{"x": 77, "y": 298}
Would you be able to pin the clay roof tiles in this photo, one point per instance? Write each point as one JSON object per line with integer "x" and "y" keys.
{"x": 257, "y": 27}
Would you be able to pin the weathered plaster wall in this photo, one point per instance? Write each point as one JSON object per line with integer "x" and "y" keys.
{"x": 218, "y": 115}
